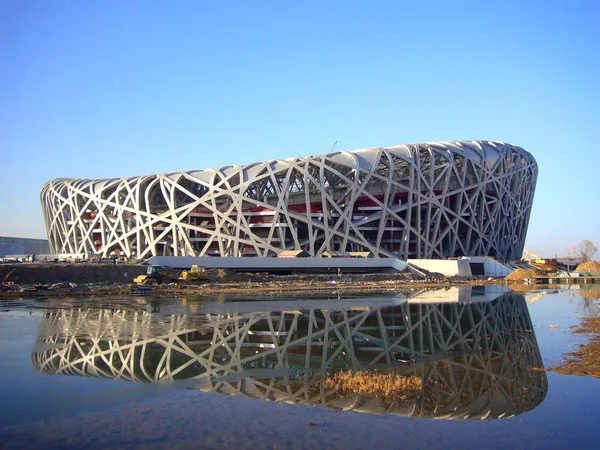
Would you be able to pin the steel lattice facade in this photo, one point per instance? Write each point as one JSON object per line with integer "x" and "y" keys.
{"x": 434, "y": 200}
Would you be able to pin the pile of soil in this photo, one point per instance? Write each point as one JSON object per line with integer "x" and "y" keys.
{"x": 547, "y": 267}
{"x": 522, "y": 274}
{"x": 589, "y": 266}
{"x": 221, "y": 275}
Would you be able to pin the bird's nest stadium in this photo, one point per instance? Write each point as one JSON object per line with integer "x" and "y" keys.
{"x": 431, "y": 200}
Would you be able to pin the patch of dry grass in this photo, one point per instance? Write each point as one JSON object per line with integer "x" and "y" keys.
{"x": 586, "y": 360}
{"x": 388, "y": 386}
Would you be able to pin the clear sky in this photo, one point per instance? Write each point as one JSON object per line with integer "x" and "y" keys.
{"x": 105, "y": 89}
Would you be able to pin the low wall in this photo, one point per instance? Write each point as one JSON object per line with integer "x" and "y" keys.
{"x": 492, "y": 267}
{"x": 283, "y": 265}
{"x": 75, "y": 273}
{"x": 447, "y": 267}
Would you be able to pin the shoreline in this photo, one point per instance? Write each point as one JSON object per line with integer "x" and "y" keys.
{"x": 268, "y": 285}
{"x": 40, "y": 280}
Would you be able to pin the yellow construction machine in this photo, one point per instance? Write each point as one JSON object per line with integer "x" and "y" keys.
{"x": 164, "y": 274}
{"x": 156, "y": 275}
{"x": 538, "y": 260}
{"x": 196, "y": 274}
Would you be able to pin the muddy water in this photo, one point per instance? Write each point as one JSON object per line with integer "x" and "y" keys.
{"x": 243, "y": 372}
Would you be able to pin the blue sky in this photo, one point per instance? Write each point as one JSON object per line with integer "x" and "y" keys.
{"x": 103, "y": 89}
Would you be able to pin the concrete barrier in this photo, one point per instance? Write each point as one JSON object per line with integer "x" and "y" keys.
{"x": 447, "y": 267}
{"x": 75, "y": 273}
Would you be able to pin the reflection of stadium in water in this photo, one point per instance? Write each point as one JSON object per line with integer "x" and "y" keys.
{"x": 479, "y": 359}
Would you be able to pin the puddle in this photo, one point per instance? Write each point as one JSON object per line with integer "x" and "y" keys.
{"x": 250, "y": 372}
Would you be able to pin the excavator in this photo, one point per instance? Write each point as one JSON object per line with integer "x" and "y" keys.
{"x": 164, "y": 274}
{"x": 538, "y": 260}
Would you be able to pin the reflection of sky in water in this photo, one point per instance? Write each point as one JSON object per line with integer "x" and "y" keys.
{"x": 474, "y": 347}
{"x": 28, "y": 395}
{"x": 562, "y": 308}
{"x": 94, "y": 405}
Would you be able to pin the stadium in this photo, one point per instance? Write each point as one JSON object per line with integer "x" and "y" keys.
{"x": 427, "y": 201}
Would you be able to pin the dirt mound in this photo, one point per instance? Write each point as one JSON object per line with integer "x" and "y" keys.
{"x": 547, "y": 267}
{"x": 522, "y": 274}
{"x": 589, "y": 266}
{"x": 222, "y": 275}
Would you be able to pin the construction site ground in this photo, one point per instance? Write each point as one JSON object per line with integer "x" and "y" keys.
{"x": 67, "y": 279}
{"x": 42, "y": 280}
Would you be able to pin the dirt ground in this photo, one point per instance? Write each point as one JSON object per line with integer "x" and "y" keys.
{"x": 62, "y": 279}
{"x": 41, "y": 280}
{"x": 586, "y": 360}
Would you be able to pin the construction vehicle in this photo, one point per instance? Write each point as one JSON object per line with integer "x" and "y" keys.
{"x": 156, "y": 275}
{"x": 538, "y": 260}
{"x": 196, "y": 274}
